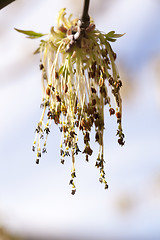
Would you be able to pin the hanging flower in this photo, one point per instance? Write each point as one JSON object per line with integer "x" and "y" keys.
{"x": 78, "y": 67}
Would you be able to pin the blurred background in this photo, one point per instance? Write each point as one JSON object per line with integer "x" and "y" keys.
{"x": 35, "y": 201}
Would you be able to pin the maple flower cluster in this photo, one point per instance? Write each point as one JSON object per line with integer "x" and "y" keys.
{"x": 77, "y": 70}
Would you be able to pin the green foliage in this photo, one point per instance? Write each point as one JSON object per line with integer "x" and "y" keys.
{"x": 111, "y": 36}
{"x": 30, "y": 34}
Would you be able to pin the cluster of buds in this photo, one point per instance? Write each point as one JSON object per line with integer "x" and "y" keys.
{"x": 77, "y": 70}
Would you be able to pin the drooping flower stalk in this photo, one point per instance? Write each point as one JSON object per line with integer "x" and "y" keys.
{"x": 78, "y": 66}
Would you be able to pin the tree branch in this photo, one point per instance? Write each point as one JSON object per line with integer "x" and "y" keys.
{"x": 4, "y": 3}
{"x": 85, "y": 16}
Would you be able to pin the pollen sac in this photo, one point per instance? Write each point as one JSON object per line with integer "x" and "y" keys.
{"x": 48, "y": 91}
{"x": 118, "y": 114}
{"x": 73, "y": 191}
{"x": 111, "y": 111}
{"x": 37, "y": 161}
{"x": 41, "y": 66}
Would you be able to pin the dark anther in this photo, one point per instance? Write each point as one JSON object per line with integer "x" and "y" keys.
{"x": 71, "y": 182}
{"x": 111, "y": 81}
{"x": 119, "y": 120}
{"x": 101, "y": 180}
{"x": 42, "y": 105}
{"x": 39, "y": 154}
{"x": 58, "y": 98}
{"x": 33, "y": 148}
{"x": 41, "y": 66}
{"x": 38, "y": 129}
{"x": 114, "y": 55}
{"x": 111, "y": 111}
{"x": 81, "y": 127}
{"x": 44, "y": 75}
{"x": 94, "y": 66}
{"x": 44, "y": 150}
{"x": 93, "y": 102}
{"x": 86, "y": 137}
{"x": 91, "y": 110}
{"x": 88, "y": 150}
{"x": 48, "y": 91}
{"x": 107, "y": 101}
{"x": 97, "y": 137}
{"x": 73, "y": 191}
{"x": 76, "y": 102}
{"x": 107, "y": 61}
{"x": 119, "y": 84}
{"x": 47, "y": 130}
{"x": 61, "y": 152}
{"x": 90, "y": 74}
{"x": 99, "y": 123}
{"x": 104, "y": 75}
{"x": 121, "y": 141}
{"x": 72, "y": 133}
{"x": 103, "y": 91}
{"x": 83, "y": 122}
{"x": 49, "y": 114}
{"x": 73, "y": 174}
{"x": 46, "y": 104}
{"x": 92, "y": 118}
{"x": 42, "y": 136}
{"x": 77, "y": 123}
{"x": 67, "y": 154}
{"x": 118, "y": 114}
{"x": 106, "y": 186}
{"x": 93, "y": 90}
{"x": 64, "y": 128}
{"x": 37, "y": 161}
{"x": 62, "y": 161}
{"x": 77, "y": 151}
{"x": 96, "y": 115}
{"x": 56, "y": 75}
{"x": 97, "y": 165}
{"x": 66, "y": 88}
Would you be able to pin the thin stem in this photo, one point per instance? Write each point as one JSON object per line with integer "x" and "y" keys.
{"x": 85, "y": 16}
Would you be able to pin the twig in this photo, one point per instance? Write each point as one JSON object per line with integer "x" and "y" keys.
{"x": 4, "y": 3}
{"x": 84, "y": 23}
{"x": 85, "y": 16}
